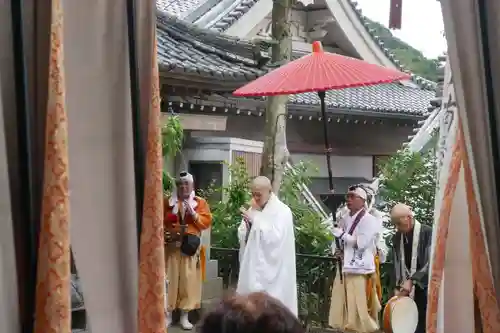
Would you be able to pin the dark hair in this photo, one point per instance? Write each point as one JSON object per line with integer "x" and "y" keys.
{"x": 255, "y": 313}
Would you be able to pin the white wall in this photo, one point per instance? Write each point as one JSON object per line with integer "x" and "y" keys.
{"x": 342, "y": 166}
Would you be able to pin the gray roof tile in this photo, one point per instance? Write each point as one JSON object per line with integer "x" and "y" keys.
{"x": 182, "y": 8}
{"x": 185, "y": 48}
{"x": 226, "y": 21}
{"x": 388, "y": 98}
{"x": 179, "y": 8}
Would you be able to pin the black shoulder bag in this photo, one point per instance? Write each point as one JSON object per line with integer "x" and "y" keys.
{"x": 189, "y": 243}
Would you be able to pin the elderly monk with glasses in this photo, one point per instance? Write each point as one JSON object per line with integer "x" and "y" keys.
{"x": 411, "y": 252}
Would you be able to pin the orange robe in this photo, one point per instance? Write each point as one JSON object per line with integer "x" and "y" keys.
{"x": 184, "y": 273}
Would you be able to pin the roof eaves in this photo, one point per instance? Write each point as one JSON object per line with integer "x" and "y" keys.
{"x": 430, "y": 127}
{"x": 224, "y": 22}
{"x": 204, "y": 42}
{"x": 228, "y": 18}
{"x": 204, "y": 8}
{"x": 420, "y": 81}
{"x": 178, "y": 8}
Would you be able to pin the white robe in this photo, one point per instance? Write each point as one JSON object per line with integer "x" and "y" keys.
{"x": 359, "y": 257}
{"x": 267, "y": 259}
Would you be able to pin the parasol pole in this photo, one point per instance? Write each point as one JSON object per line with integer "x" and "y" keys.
{"x": 321, "y": 95}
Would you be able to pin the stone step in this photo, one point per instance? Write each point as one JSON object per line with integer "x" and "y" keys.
{"x": 209, "y": 304}
{"x": 212, "y": 288}
{"x": 212, "y": 269}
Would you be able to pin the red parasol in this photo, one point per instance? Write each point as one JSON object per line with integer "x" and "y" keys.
{"x": 320, "y": 71}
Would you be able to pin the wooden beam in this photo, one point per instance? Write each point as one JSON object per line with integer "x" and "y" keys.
{"x": 199, "y": 122}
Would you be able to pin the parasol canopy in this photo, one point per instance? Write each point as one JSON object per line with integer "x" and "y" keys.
{"x": 319, "y": 71}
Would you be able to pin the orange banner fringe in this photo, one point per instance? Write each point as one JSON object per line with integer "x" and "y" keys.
{"x": 151, "y": 312}
{"x": 53, "y": 298}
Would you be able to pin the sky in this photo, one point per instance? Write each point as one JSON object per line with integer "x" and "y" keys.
{"x": 422, "y": 23}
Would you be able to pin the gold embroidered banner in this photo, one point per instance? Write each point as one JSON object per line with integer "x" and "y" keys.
{"x": 151, "y": 259}
{"x": 53, "y": 306}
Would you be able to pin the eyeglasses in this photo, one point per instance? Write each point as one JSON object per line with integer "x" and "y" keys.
{"x": 351, "y": 196}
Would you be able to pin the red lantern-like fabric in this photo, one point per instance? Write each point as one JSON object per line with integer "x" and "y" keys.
{"x": 319, "y": 71}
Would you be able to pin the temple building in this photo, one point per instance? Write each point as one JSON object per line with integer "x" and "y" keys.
{"x": 207, "y": 49}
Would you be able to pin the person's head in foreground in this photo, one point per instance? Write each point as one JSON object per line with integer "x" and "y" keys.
{"x": 184, "y": 185}
{"x": 261, "y": 190}
{"x": 402, "y": 217}
{"x": 356, "y": 198}
{"x": 254, "y": 313}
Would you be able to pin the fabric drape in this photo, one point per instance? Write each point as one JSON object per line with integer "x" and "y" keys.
{"x": 53, "y": 306}
{"x": 152, "y": 258}
{"x": 460, "y": 257}
{"x": 9, "y": 293}
{"x": 467, "y": 60}
{"x": 467, "y": 201}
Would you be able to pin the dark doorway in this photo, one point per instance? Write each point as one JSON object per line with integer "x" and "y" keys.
{"x": 207, "y": 176}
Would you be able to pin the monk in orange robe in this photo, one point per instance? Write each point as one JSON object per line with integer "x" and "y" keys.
{"x": 186, "y": 216}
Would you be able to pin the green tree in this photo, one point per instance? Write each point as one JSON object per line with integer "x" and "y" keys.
{"x": 172, "y": 137}
{"x": 312, "y": 236}
{"x": 408, "y": 56}
{"x": 410, "y": 178}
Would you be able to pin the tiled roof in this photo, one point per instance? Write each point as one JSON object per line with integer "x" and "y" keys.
{"x": 230, "y": 14}
{"x": 179, "y": 8}
{"x": 183, "y": 47}
{"x": 238, "y": 10}
{"x": 388, "y": 98}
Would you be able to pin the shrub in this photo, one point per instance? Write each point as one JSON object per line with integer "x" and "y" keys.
{"x": 172, "y": 136}
{"x": 312, "y": 237}
{"x": 407, "y": 177}
{"x": 410, "y": 177}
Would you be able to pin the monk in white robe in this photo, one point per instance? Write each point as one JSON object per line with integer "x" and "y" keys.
{"x": 186, "y": 216}
{"x": 267, "y": 245}
{"x": 356, "y": 297}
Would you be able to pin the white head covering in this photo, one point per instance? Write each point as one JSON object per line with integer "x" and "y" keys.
{"x": 360, "y": 192}
{"x": 185, "y": 177}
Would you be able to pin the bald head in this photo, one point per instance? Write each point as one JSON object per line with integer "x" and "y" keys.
{"x": 261, "y": 190}
{"x": 262, "y": 182}
{"x": 400, "y": 209}
{"x": 402, "y": 217}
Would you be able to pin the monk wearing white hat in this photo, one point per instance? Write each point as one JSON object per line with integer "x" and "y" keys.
{"x": 356, "y": 293}
{"x": 186, "y": 216}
